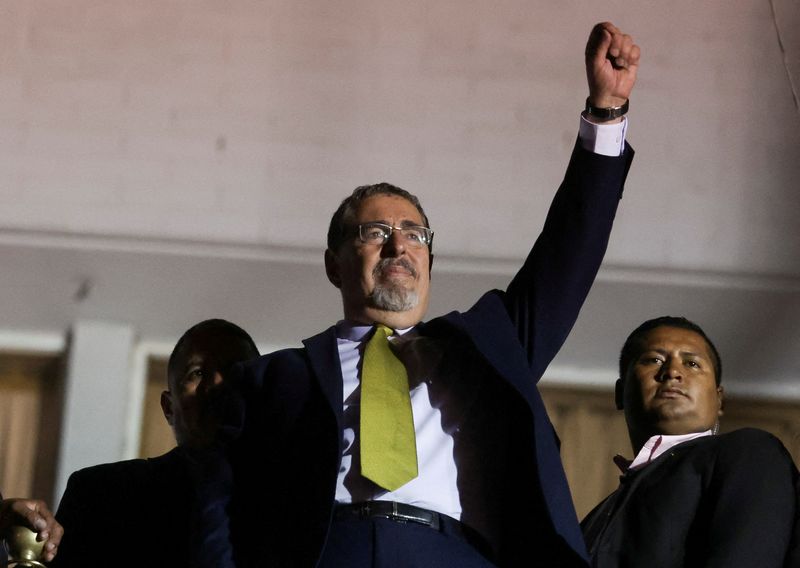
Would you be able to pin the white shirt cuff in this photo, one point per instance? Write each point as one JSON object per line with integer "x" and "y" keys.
{"x": 604, "y": 139}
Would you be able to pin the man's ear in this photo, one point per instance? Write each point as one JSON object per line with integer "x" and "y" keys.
{"x": 332, "y": 268}
{"x": 619, "y": 394}
{"x": 721, "y": 399}
{"x": 166, "y": 407}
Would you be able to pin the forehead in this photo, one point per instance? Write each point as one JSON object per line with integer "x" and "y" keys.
{"x": 675, "y": 338}
{"x": 387, "y": 207}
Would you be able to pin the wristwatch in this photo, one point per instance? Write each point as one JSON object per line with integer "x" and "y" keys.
{"x": 606, "y": 113}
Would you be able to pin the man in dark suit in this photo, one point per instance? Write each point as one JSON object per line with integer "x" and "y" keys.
{"x": 690, "y": 497}
{"x": 485, "y": 484}
{"x": 138, "y": 512}
{"x": 35, "y": 515}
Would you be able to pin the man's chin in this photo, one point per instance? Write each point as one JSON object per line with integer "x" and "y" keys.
{"x": 393, "y": 299}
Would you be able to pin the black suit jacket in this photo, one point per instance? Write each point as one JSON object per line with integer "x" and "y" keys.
{"x": 287, "y": 457}
{"x": 133, "y": 513}
{"x": 718, "y": 501}
{"x": 793, "y": 558}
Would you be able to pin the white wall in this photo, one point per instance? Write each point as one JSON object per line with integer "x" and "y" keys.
{"x": 247, "y": 122}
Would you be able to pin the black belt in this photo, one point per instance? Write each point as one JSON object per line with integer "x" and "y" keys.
{"x": 403, "y": 513}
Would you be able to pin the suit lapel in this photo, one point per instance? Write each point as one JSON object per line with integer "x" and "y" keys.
{"x": 633, "y": 479}
{"x": 323, "y": 355}
{"x": 490, "y": 331}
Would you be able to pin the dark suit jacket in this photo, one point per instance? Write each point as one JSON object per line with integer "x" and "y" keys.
{"x": 793, "y": 558}
{"x": 719, "y": 501}
{"x": 130, "y": 513}
{"x": 288, "y": 455}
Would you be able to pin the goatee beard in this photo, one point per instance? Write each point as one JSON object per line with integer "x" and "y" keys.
{"x": 392, "y": 297}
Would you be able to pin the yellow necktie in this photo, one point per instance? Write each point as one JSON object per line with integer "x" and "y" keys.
{"x": 388, "y": 444}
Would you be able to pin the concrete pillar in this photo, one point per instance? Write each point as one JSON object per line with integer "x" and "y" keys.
{"x": 96, "y": 397}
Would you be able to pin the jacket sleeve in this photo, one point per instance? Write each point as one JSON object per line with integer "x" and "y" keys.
{"x": 546, "y": 295}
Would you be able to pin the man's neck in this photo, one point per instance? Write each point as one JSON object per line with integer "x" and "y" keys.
{"x": 392, "y": 320}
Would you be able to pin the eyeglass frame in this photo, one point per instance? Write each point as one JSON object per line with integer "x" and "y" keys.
{"x": 390, "y": 229}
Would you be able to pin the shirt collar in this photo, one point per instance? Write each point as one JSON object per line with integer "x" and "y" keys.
{"x": 654, "y": 447}
{"x": 356, "y": 331}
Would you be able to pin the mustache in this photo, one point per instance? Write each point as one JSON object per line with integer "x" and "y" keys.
{"x": 385, "y": 263}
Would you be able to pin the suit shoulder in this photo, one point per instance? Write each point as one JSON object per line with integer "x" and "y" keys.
{"x": 289, "y": 353}
{"x": 281, "y": 359}
{"x": 109, "y": 471}
{"x": 755, "y": 446}
{"x": 749, "y": 437}
{"x": 88, "y": 489}
{"x": 254, "y": 370}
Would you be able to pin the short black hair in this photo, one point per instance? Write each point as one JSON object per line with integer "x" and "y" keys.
{"x": 632, "y": 348}
{"x": 214, "y": 324}
{"x": 340, "y": 222}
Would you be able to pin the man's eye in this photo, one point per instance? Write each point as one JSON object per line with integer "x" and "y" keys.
{"x": 375, "y": 233}
{"x": 694, "y": 364}
{"x": 196, "y": 374}
{"x": 416, "y": 236}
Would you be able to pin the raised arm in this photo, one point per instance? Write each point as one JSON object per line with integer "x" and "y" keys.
{"x": 545, "y": 297}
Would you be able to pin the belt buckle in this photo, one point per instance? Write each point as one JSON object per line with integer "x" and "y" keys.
{"x": 430, "y": 520}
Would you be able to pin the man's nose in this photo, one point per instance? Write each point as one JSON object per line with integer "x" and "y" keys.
{"x": 212, "y": 381}
{"x": 395, "y": 245}
{"x": 670, "y": 370}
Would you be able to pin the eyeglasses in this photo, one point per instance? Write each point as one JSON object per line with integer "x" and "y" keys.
{"x": 379, "y": 233}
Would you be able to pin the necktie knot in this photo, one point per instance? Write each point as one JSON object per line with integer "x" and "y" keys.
{"x": 387, "y": 332}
